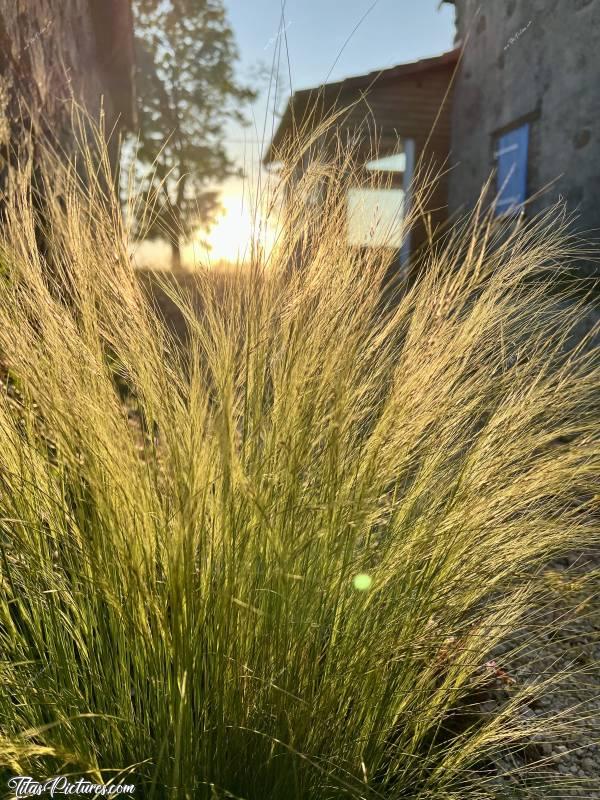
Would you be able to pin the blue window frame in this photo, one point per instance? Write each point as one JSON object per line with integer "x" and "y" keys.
{"x": 511, "y": 163}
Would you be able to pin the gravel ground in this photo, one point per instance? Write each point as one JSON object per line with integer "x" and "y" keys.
{"x": 567, "y": 764}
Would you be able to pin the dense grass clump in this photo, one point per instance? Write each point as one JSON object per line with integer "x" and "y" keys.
{"x": 274, "y": 563}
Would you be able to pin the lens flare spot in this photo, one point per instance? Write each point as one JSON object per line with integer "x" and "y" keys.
{"x": 362, "y": 582}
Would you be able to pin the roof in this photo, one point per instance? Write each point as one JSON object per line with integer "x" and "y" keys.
{"x": 300, "y": 101}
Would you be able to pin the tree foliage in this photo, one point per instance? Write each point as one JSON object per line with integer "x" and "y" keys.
{"x": 187, "y": 92}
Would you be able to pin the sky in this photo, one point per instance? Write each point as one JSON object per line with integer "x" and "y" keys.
{"x": 323, "y": 40}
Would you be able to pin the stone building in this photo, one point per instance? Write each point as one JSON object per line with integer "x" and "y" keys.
{"x": 53, "y": 53}
{"x": 526, "y": 103}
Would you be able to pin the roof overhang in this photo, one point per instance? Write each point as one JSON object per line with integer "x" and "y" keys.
{"x": 308, "y": 107}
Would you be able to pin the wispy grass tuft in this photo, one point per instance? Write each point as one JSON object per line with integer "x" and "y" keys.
{"x": 274, "y": 563}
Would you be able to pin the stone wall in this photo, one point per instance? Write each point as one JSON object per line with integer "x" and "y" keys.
{"x": 536, "y": 61}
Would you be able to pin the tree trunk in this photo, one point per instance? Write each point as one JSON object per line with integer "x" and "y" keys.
{"x": 175, "y": 254}
{"x": 177, "y": 228}
{"x": 175, "y": 237}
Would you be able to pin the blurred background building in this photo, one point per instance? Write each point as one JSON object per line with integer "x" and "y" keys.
{"x": 397, "y": 118}
{"x": 526, "y": 103}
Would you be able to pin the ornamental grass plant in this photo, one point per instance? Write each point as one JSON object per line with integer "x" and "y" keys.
{"x": 276, "y": 561}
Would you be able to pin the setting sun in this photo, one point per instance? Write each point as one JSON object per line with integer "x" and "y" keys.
{"x": 237, "y": 226}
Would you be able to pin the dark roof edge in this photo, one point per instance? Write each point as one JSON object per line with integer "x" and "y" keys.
{"x": 390, "y": 73}
{"x": 366, "y": 81}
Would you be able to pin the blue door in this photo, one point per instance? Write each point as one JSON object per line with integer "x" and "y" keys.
{"x": 511, "y": 163}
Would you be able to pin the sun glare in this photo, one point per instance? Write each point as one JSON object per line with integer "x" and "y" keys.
{"x": 237, "y": 227}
